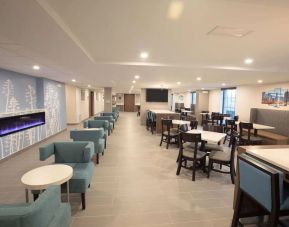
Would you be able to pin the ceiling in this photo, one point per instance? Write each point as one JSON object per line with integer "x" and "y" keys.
{"x": 98, "y": 42}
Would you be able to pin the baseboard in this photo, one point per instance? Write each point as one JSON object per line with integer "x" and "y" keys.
{"x": 28, "y": 147}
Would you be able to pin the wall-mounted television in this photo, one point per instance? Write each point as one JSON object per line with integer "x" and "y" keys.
{"x": 157, "y": 95}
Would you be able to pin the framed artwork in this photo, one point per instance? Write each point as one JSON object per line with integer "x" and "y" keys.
{"x": 276, "y": 97}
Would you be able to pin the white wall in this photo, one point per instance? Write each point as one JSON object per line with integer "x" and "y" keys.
{"x": 247, "y": 97}
{"x": 250, "y": 97}
{"x": 77, "y": 109}
{"x": 137, "y": 99}
{"x": 215, "y": 101}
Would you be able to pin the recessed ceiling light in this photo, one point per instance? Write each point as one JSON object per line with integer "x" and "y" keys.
{"x": 223, "y": 84}
{"x": 203, "y": 88}
{"x": 144, "y": 55}
{"x": 36, "y": 67}
{"x": 175, "y": 10}
{"x": 136, "y": 77}
{"x": 248, "y": 61}
{"x": 73, "y": 80}
{"x": 89, "y": 85}
{"x": 199, "y": 78}
{"x": 260, "y": 81}
{"x": 178, "y": 83}
{"x": 133, "y": 81}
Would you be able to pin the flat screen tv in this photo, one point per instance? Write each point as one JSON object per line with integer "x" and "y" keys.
{"x": 156, "y": 95}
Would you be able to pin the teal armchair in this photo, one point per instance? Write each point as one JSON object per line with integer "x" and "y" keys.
{"x": 113, "y": 114}
{"x": 94, "y": 135}
{"x": 46, "y": 211}
{"x": 107, "y": 118}
{"x": 78, "y": 155}
{"x": 98, "y": 124}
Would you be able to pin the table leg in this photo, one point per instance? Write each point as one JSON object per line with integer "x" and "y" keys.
{"x": 26, "y": 195}
{"x": 255, "y": 132}
{"x": 67, "y": 190}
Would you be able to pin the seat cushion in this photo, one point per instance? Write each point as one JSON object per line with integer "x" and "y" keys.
{"x": 213, "y": 147}
{"x": 172, "y": 133}
{"x": 220, "y": 156}
{"x": 188, "y": 152}
{"x": 82, "y": 174}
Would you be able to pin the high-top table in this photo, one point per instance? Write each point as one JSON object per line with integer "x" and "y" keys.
{"x": 42, "y": 177}
{"x": 165, "y": 114}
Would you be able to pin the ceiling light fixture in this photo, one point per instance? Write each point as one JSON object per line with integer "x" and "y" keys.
{"x": 248, "y": 61}
{"x": 175, "y": 10}
{"x": 137, "y": 77}
{"x": 144, "y": 55}
{"x": 36, "y": 67}
{"x": 89, "y": 86}
{"x": 223, "y": 84}
{"x": 203, "y": 88}
{"x": 260, "y": 81}
{"x": 199, "y": 78}
{"x": 133, "y": 81}
{"x": 178, "y": 83}
{"x": 73, "y": 80}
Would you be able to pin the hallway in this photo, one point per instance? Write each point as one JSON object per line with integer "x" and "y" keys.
{"x": 134, "y": 185}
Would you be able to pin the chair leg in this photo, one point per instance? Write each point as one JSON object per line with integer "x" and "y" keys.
{"x": 194, "y": 171}
{"x": 232, "y": 173}
{"x": 179, "y": 166}
{"x": 83, "y": 201}
{"x": 225, "y": 140}
{"x": 161, "y": 140}
{"x": 168, "y": 141}
{"x": 237, "y": 209}
{"x": 97, "y": 158}
{"x": 209, "y": 168}
{"x": 105, "y": 144}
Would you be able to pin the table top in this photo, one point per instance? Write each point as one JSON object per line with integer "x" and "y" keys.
{"x": 186, "y": 111}
{"x": 259, "y": 126}
{"x": 40, "y": 178}
{"x": 213, "y": 137}
{"x": 278, "y": 157}
{"x": 181, "y": 122}
{"x": 162, "y": 111}
{"x": 205, "y": 113}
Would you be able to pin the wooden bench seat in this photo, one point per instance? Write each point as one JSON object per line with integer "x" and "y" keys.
{"x": 273, "y": 138}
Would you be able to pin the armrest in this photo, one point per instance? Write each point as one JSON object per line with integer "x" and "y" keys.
{"x": 46, "y": 151}
{"x": 85, "y": 124}
{"x": 88, "y": 152}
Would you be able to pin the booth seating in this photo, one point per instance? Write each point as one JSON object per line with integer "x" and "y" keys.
{"x": 46, "y": 211}
{"x": 98, "y": 124}
{"x": 93, "y": 135}
{"x": 107, "y": 118}
{"x": 78, "y": 155}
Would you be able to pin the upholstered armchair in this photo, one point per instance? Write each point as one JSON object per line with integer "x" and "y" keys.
{"x": 78, "y": 155}
{"x": 113, "y": 114}
{"x": 98, "y": 124}
{"x": 46, "y": 211}
{"x": 107, "y": 118}
{"x": 94, "y": 135}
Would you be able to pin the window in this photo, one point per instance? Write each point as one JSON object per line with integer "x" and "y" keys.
{"x": 194, "y": 97}
{"x": 229, "y": 101}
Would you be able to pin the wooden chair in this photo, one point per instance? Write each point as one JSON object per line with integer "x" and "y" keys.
{"x": 168, "y": 132}
{"x": 187, "y": 152}
{"x": 224, "y": 158}
{"x": 194, "y": 124}
{"x": 230, "y": 128}
{"x": 151, "y": 122}
{"x": 249, "y": 138}
{"x": 205, "y": 117}
{"x": 217, "y": 119}
{"x": 264, "y": 185}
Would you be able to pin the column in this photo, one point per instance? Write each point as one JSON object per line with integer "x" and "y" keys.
{"x": 107, "y": 99}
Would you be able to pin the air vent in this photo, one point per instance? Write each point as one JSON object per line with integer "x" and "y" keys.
{"x": 229, "y": 31}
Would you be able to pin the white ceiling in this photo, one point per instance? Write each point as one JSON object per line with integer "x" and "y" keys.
{"x": 98, "y": 42}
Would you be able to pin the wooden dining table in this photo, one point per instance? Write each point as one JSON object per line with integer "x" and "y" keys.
{"x": 212, "y": 137}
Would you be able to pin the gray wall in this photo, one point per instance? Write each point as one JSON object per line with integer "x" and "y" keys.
{"x": 21, "y": 92}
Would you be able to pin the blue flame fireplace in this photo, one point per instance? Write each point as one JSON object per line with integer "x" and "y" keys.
{"x": 16, "y": 123}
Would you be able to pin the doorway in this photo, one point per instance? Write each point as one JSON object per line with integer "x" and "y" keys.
{"x": 91, "y": 103}
{"x": 129, "y": 103}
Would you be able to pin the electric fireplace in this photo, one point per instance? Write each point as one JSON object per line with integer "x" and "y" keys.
{"x": 16, "y": 123}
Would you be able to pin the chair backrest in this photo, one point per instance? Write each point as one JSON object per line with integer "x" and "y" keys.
{"x": 194, "y": 124}
{"x": 108, "y": 118}
{"x": 184, "y": 128}
{"x": 213, "y": 128}
{"x": 185, "y": 137}
{"x": 248, "y": 127}
{"x": 259, "y": 181}
{"x": 87, "y": 135}
{"x": 217, "y": 118}
{"x": 167, "y": 124}
{"x": 236, "y": 118}
{"x": 231, "y": 125}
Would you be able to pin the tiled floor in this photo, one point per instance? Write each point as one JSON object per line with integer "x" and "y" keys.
{"x": 134, "y": 185}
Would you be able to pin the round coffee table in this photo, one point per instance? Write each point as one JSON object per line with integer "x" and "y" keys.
{"x": 42, "y": 177}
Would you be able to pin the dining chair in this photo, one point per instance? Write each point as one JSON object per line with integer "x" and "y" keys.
{"x": 168, "y": 132}
{"x": 249, "y": 138}
{"x": 151, "y": 122}
{"x": 205, "y": 117}
{"x": 224, "y": 158}
{"x": 194, "y": 124}
{"x": 230, "y": 128}
{"x": 190, "y": 152}
{"x": 217, "y": 119}
{"x": 236, "y": 118}
{"x": 264, "y": 185}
